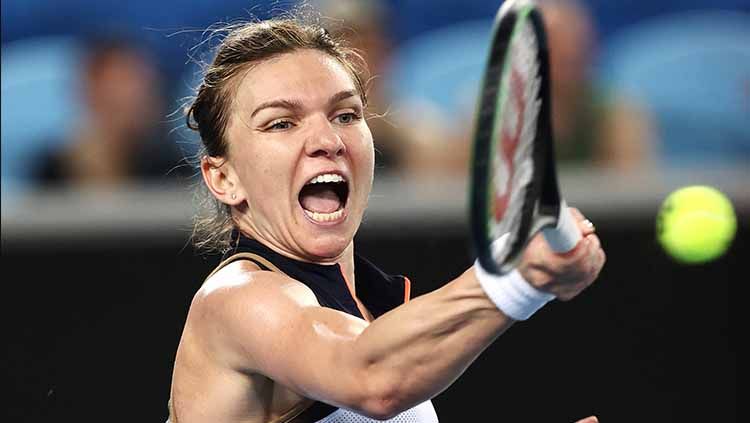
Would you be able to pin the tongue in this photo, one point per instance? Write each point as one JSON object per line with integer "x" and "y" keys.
{"x": 319, "y": 198}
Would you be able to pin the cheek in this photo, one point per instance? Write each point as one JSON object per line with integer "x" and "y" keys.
{"x": 364, "y": 157}
{"x": 261, "y": 171}
{"x": 366, "y": 149}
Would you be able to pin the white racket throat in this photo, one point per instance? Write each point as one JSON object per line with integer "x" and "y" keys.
{"x": 566, "y": 235}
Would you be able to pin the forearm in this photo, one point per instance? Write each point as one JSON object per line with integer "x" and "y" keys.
{"x": 417, "y": 350}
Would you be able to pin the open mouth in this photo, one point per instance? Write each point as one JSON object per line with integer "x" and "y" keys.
{"x": 323, "y": 197}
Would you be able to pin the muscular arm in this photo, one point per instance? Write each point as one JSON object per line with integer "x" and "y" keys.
{"x": 266, "y": 323}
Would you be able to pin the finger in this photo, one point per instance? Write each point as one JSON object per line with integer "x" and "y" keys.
{"x": 584, "y": 224}
{"x": 601, "y": 258}
{"x": 587, "y": 227}
{"x": 590, "y": 419}
{"x": 594, "y": 242}
{"x": 595, "y": 251}
{"x": 583, "y": 251}
{"x": 597, "y": 264}
{"x": 577, "y": 214}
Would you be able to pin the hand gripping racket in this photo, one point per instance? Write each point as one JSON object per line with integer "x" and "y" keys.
{"x": 514, "y": 189}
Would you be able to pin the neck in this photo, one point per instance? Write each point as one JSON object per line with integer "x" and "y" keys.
{"x": 347, "y": 265}
{"x": 345, "y": 259}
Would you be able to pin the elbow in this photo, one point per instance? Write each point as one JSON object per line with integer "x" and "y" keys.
{"x": 382, "y": 408}
{"x": 383, "y": 400}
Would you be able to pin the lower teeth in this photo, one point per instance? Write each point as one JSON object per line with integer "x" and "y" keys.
{"x": 324, "y": 217}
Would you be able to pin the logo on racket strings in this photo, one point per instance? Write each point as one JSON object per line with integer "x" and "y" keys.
{"x": 510, "y": 136}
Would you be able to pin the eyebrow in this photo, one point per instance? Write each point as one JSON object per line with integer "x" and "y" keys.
{"x": 341, "y": 96}
{"x": 297, "y": 105}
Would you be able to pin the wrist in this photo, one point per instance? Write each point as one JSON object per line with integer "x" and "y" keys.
{"x": 511, "y": 293}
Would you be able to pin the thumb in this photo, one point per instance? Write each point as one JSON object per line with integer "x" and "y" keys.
{"x": 590, "y": 419}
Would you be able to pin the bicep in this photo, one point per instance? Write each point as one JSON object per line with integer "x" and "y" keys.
{"x": 274, "y": 326}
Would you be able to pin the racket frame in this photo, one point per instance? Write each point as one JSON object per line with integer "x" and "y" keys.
{"x": 542, "y": 206}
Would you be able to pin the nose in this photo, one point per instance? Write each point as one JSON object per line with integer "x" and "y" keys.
{"x": 324, "y": 141}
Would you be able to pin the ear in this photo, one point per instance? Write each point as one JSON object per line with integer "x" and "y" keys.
{"x": 222, "y": 180}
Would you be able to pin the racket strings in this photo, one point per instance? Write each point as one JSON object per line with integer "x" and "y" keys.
{"x": 515, "y": 137}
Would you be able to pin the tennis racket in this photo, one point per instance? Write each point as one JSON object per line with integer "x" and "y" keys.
{"x": 514, "y": 188}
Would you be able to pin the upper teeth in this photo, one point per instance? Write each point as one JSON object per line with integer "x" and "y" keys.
{"x": 328, "y": 177}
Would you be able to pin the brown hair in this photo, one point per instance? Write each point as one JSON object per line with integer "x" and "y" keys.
{"x": 244, "y": 46}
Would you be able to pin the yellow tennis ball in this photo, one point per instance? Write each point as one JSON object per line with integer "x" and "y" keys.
{"x": 696, "y": 224}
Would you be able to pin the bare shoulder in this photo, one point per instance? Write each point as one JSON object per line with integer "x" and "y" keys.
{"x": 241, "y": 302}
{"x": 242, "y": 281}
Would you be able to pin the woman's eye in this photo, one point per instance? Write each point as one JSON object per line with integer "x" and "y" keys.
{"x": 280, "y": 125}
{"x": 347, "y": 118}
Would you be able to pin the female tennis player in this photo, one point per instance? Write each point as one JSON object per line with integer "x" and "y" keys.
{"x": 293, "y": 326}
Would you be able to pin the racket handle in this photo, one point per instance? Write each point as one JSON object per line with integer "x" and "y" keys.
{"x": 565, "y": 236}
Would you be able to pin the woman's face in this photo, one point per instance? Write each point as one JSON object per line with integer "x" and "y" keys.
{"x": 302, "y": 154}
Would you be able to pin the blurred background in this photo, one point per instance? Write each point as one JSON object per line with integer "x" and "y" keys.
{"x": 97, "y": 182}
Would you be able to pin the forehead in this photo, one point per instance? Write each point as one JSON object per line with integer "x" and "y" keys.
{"x": 307, "y": 75}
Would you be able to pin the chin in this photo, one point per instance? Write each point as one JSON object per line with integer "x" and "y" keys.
{"x": 327, "y": 241}
{"x": 328, "y": 247}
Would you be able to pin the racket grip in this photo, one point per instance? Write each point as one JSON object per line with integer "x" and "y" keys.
{"x": 565, "y": 236}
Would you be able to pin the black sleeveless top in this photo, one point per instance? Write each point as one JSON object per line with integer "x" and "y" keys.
{"x": 378, "y": 291}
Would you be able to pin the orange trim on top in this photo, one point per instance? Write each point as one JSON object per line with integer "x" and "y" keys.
{"x": 407, "y": 290}
{"x": 361, "y": 308}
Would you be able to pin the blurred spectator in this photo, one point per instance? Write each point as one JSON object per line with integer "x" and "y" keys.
{"x": 592, "y": 127}
{"x": 364, "y": 24}
{"x": 403, "y": 133}
{"x": 692, "y": 71}
{"x": 118, "y": 139}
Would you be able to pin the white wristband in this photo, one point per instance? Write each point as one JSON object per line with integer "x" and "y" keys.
{"x": 510, "y": 292}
